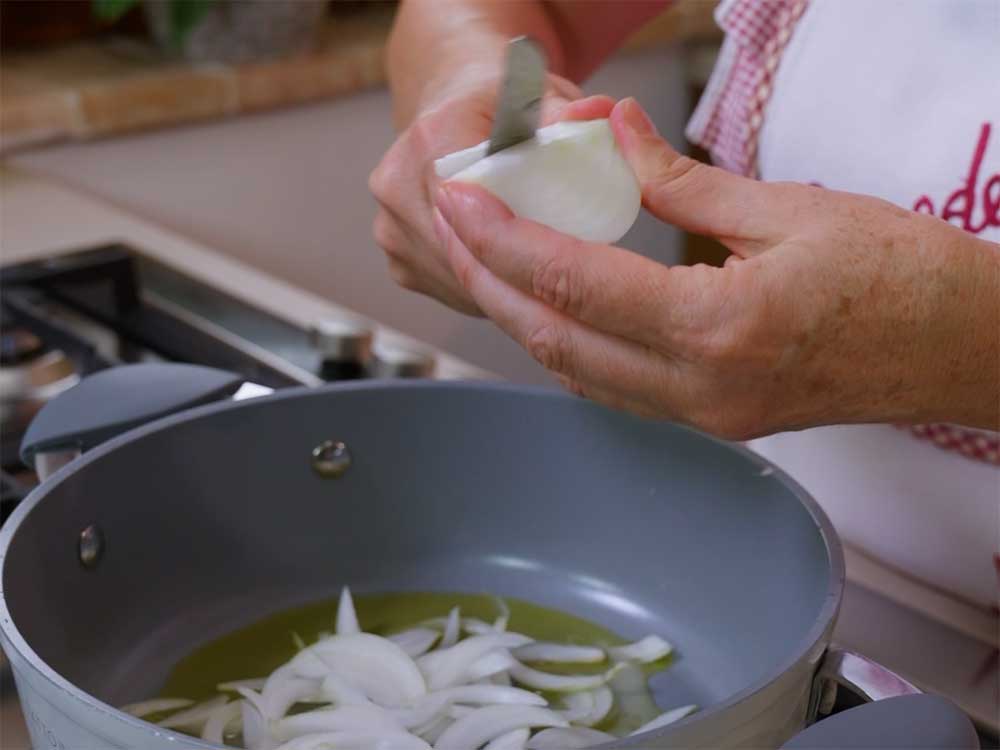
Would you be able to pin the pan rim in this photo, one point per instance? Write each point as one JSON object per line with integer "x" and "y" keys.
{"x": 817, "y": 634}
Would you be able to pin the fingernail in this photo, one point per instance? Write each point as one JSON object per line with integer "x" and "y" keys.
{"x": 444, "y": 203}
{"x": 637, "y": 118}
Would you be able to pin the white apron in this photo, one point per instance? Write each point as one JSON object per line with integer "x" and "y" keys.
{"x": 898, "y": 99}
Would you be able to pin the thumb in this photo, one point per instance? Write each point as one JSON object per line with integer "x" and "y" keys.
{"x": 694, "y": 196}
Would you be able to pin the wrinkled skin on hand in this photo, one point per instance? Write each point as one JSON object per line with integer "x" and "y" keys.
{"x": 833, "y": 308}
{"x": 404, "y": 182}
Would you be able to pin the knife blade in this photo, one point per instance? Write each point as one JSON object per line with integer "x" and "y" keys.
{"x": 519, "y": 103}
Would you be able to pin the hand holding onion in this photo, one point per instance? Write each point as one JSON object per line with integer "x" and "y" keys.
{"x": 833, "y": 308}
{"x": 405, "y": 180}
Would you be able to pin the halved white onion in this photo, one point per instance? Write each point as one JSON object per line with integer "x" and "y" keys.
{"x": 156, "y": 706}
{"x": 666, "y": 718}
{"x": 487, "y": 723}
{"x": 570, "y": 176}
{"x": 644, "y": 651}
{"x": 376, "y": 665}
{"x": 568, "y": 738}
{"x": 347, "y": 617}
{"x": 559, "y": 652}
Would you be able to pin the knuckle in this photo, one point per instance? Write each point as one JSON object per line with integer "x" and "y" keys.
{"x": 403, "y": 276}
{"x": 552, "y": 347}
{"x": 557, "y": 283}
{"x": 674, "y": 175}
{"x": 384, "y": 233}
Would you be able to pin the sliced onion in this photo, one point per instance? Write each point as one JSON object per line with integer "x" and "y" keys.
{"x": 339, "y": 691}
{"x": 493, "y": 694}
{"x": 632, "y": 696}
{"x": 193, "y": 719}
{"x": 377, "y": 666}
{"x": 494, "y": 663}
{"x": 452, "y": 629}
{"x": 667, "y": 717}
{"x": 357, "y": 740}
{"x": 644, "y": 651}
{"x": 570, "y": 176}
{"x": 500, "y": 678}
{"x": 434, "y": 729}
{"x": 560, "y": 738}
{"x": 343, "y": 718}
{"x": 415, "y": 641}
{"x": 347, "y": 617}
{"x": 446, "y": 667}
{"x": 220, "y": 718}
{"x": 534, "y": 678}
{"x": 516, "y": 739}
{"x": 254, "y": 683}
{"x": 588, "y": 707}
{"x": 156, "y": 706}
{"x": 475, "y": 626}
{"x": 283, "y": 689}
{"x": 500, "y": 624}
{"x": 489, "y": 722}
{"x": 559, "y": 652}
{"x": 430, "y": 708}
{"x": 457, "y": 712}
{"x": 255, "y": 732}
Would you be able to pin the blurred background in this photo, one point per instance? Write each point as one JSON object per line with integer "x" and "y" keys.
{"x": 251, "y": 127}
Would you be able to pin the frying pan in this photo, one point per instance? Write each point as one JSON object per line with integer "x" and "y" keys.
{"x": 174, "y": 533}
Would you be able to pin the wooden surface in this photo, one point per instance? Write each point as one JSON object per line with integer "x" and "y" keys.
{"x": 112, "y": 84}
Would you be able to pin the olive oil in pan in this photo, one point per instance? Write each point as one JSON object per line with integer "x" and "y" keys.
{"x": 258, "y": 649}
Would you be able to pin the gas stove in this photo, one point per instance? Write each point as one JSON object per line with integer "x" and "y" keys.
{"x": 70, "y": 314}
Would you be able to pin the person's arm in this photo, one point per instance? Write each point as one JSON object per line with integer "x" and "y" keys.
{"x": 439, "y": 46}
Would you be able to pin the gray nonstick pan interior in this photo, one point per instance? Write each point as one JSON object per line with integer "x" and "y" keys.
{"x": 215, "y": 518}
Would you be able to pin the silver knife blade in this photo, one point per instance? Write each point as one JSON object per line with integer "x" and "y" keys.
{"x": 519, "y": 104}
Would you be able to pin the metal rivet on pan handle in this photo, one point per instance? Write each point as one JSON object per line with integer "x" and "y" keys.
{"x": 91, "y": 546}
{"x": 331, "y": 459}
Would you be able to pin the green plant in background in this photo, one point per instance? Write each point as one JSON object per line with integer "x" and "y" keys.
{"x": 184, "y": 14}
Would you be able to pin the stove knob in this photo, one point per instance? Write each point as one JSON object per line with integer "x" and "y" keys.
{"x": 344, "y": 346}
{"x": 400, "y": 362}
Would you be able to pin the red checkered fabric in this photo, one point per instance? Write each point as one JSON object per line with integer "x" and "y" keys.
{"x": 727, "y": 124}
{"x": 728, "y": 118}
{"x": 981, "y": 446}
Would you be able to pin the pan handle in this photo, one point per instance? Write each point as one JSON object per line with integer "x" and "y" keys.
{"x": 897, "y": 716}
{"x": 908, "y": 721}
{"x": 115, "y": 400}
{"x": 867, "y": 679}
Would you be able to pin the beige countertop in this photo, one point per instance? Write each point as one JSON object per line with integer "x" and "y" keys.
{"x": 28, "y": 204}
{"x": 109, "y": 85}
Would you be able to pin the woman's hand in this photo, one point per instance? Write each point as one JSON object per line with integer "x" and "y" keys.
{"x": 404, "y": 181}
{"x": 833, "y": 308}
